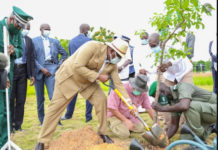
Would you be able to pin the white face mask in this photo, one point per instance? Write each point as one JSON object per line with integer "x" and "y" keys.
{"x": 25, "y": 32}
{"x": 89, "y": 34}
{"x": 46, "y": 33}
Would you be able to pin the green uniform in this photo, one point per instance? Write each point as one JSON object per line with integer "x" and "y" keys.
{"x": 202, "y": 111}
{"x": 16, "y": 41}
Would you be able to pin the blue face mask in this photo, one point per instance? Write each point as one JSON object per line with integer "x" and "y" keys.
{"x": 156, "y": 49}
{"x": 25, "y": 32}
{"x": 144, "y": 41}
{"x": 46, "y": 33}
{"x": 136, "y": 93}
{"x": 114, "y": 60}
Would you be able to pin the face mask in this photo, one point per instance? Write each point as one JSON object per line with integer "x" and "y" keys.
{"x": 156, "y": 49}
{"x": 46, "y": 33}
{"x": 25, "y": 32}
{"x": 12, "y": 29}
{"x": 163, "y": 100}
{"x": 144, "y": 42}
{"x": 115, "y": 60}
{"x": 136, "y": 93}
{"x": 89, "y": 34}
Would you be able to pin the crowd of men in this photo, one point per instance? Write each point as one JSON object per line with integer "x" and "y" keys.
{"x": 44, "y": 61}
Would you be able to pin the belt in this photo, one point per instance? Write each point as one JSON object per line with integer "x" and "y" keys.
{"x": 19, "y": 65}
{"x": 50, "y": 61}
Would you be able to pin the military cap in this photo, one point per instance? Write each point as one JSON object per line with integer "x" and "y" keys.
{"x": 153, "y": 88}
{"x": 21, "y": 16}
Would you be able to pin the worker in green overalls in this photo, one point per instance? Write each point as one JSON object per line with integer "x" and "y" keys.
{"x": 197, "y": 104}
{"x": 14, "y": 24}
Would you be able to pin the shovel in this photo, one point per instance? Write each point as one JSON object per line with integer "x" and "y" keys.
{"x": 155, "y": 135}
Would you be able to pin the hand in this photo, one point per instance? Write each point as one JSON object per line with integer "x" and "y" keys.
{"x": 142, "y": 71}
{"x": 45, "y": 72}
{"x": 134, "y": 111}
{"x": 103, "y": 77}
{"x": 11, "y": 49}
{"x": 165, "y": 66}
{"x": 120, "y": 69}
{"x": 157, "y": 106}
{"x": 32, "y": 81}
{"x": 8, "y": 84}
{"x": 129, "y": 124}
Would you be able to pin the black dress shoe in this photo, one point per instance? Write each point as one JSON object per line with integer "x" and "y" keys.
{"x": 213, "y": 128}
{"x": 106, "y": 139}
{"x": 39, "y": 146}
{"x": 60, "y": 124}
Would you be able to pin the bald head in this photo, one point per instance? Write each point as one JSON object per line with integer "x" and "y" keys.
{"x": 84, "y": 28}
{"x": 154, "y": 39}
{"x": 45, "y": 26}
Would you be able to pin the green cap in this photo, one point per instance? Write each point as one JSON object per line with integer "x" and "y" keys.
{"x": 153, "y": 88}
{"x": 21, "y": 16}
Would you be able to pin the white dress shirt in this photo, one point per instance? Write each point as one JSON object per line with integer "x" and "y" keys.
{"x": 124, "y": 74}
{"x": 180, "y": 67}
{"x": 47, "y": 49}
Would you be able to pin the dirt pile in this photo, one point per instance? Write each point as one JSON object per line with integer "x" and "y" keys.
{"x": 105, "y": 147}
{"x": 79, "y": 139}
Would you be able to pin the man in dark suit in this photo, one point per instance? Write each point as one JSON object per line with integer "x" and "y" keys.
{"x": 47, "y": 62}
{"x": 23, "y": 69}
{"x": 213, "y": 67}
{"x": 74, "y": 44}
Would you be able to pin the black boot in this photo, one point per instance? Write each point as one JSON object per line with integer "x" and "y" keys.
{"x": 106, "y": 139}
{"x": 39, "y": 146}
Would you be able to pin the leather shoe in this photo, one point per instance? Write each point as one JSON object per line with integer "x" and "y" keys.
{"x": 64, "y": 118}
{"x": 60, "y": 124}
{"x": 213, "y": 128}
{"x": 39, "y": 146}
{"x": 106, "y": 139}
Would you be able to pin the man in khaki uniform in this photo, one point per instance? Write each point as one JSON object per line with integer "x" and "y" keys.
{"x": 80, "y": 73}
{"x": 197, "y": 105}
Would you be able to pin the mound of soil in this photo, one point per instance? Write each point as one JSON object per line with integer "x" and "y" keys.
{"x": 79, "y": 139}
{"x": 105, "y": 146}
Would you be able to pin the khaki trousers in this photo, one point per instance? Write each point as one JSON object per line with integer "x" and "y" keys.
{"x": 119, "y": 129}
{"x": 58, "y": 105}
{"x": 188, "y": 78}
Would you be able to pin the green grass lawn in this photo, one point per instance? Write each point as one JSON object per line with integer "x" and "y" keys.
{"x": 28, "y": 138}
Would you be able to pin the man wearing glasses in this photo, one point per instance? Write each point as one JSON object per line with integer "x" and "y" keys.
{"x": 14, "y": 23}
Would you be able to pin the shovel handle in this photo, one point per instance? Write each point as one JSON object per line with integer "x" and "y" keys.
{"x": 143, "y": 122}
{"x": 123, "y": 99}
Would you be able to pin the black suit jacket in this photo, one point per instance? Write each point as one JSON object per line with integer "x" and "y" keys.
{"x": 30, "y": 57}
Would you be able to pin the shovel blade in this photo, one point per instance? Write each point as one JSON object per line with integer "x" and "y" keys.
{"x": 135, "y": 145}
{"x": 158, "y": 132}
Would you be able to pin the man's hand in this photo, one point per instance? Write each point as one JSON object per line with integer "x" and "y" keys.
{"x": 120, "y": 69}
{"x": 165, "y": 66}
{"x": 129, "y": 124}
{"x": 32, "y": 81}
{"x": 157, "y": 107}
{"x": 8, "y": 83}
{"x": 11, "y": 49}
{"x": 142, "y": 71}
{"x": 134, "y": 111}
{"x": 103, "y": 77}
{"x": 45, "y": 72}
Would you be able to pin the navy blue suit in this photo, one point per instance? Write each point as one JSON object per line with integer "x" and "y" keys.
{"x": 214, "y": 72}
{"x": 51, "y": 65}
{"x": 74, "y": 44}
